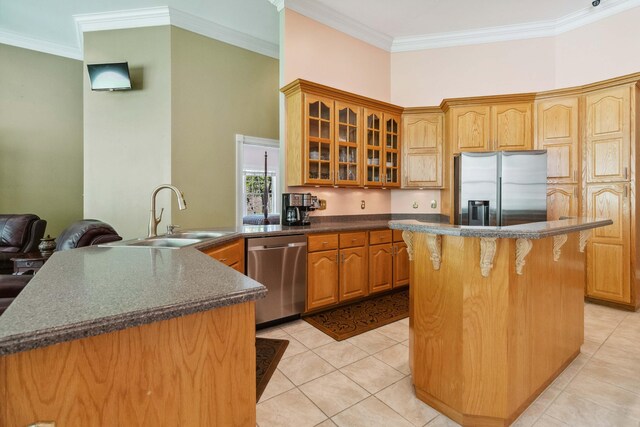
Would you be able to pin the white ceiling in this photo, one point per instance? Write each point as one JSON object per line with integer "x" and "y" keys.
{"x": 394, "y": 25}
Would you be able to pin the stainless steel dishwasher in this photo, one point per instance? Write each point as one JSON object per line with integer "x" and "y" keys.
{"x": 280, "y": 264}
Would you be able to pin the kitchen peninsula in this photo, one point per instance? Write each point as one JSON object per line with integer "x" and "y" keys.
{"x": 496, "y": 313}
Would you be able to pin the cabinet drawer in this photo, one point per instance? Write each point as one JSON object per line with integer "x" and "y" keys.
{"x": 379, "y": 236}
{"x": 322, "y": 242}
{"x": 228, "y": 254}
{"x": 352, "y": 240}
{"x": 397, "y": 236}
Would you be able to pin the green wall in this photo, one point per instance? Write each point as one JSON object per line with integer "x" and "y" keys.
{"x": 41, "y": 136}
{"x": 217, "y": 91}
{"x": 127, "y": 134}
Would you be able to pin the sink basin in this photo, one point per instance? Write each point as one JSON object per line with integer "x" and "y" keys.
{"x": 199, "y": 234}
{"x": 154, "y": 242}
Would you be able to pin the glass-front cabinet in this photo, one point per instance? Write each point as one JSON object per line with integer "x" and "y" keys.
{"x": 382, "y": 149}
{"x": 336, "y": 138}
{"x": 348, "y": 145}
{"x": 319, "y": 149}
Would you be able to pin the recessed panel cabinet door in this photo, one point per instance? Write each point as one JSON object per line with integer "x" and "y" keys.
{"x": 318, "y": 153}
{"x": 471, "y": 129}
{"x": 423, "y": 145}
{"x": 322, "y": 279}
{"x": 400, "y": 265}
{"x": 353, "y": 273}
{"x": 557, "y": 127}
{"x": 562, "y": 200}
{"x": 380, "y": 268}
{"x": 608, "y": 253}
{"x": 511, "y": 126}
{"x": 608, "y": 135}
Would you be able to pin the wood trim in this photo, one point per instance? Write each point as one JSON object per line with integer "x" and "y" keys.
{"x": 485, "y": 100}
{"x": 192, "y": 370}
{"x": 338, "y": 95}
{"x": 422, "y": 110}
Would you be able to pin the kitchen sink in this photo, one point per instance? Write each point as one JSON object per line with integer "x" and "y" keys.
{"x": 160, "y": 242}
{"x": 198, "y": 234}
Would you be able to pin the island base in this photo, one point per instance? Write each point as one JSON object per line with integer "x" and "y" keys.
{"x": 493, "y": 322}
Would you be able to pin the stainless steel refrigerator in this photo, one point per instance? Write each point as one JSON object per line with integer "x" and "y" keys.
{"x": 500, "y": 188}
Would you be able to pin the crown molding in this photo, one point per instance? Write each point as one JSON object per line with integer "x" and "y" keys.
{"x": 549, "y": 28}
{"x": 279, "y": 4}
{"x": 156, "y": 16}
{"x": 18, "y": 40}
{"x": 327, "y": 16}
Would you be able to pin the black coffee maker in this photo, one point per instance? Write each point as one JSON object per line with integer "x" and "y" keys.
{"x": 296, "y": 208}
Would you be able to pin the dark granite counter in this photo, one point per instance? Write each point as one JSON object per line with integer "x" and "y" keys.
{"x": 91, "y": 291}
{"x": 533, "y": 230}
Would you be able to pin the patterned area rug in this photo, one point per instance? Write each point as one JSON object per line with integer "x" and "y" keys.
{"x": 268, "y": 354}
{"x": 349, "y": 320}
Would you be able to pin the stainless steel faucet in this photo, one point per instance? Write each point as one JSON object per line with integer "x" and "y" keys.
{"x": 153, "y": 221}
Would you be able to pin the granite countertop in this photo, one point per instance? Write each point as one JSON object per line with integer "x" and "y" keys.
{"x": 90, "y": 291}
{"x": 533, "y": 230}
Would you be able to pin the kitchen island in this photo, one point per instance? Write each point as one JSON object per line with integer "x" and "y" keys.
{"x": 130, "y": 336}
{"x": 496, "y": 313}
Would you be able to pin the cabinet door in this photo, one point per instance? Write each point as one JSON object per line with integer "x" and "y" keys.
{"x": 608, "y": 135}
{"x": 348, "y": 145}
{"x": 231, "y": 254}
{"x": 400, "y": 265}
{"x": 391, "y": 157}
{"x": 373, "y": 159}
{"x": 557, "y": 130}
{"x": 353, "y": 273}
{"x": 380, "y": 268}
{"x": 511, "y": 127}
{"x": 422, "y": 138}
{"x": 322, "y": 279}
{"x": 608, "y": 251}
{"x": 562, "y": 200}
{"x": 470, "y": 128}
{"x": 318, "y": 157}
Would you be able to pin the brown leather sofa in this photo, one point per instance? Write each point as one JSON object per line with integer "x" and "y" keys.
{"x": 82, "y": 233}
{"x": 19, "y": 233}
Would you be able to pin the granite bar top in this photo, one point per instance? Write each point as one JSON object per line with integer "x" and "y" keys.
{"x": 532, "y": 230}
{"x": 90, "y": 291}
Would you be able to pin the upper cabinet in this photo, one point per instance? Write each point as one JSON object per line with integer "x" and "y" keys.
{"x": 422, "y": 135}
{"x": 608, "y": 135}
{"x": 492, "y": 127}
{"x": 335, "y": 138}
{"x": 557, "y": 132}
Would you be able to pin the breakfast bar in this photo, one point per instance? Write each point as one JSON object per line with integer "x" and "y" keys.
{"x": 496, "y": 313}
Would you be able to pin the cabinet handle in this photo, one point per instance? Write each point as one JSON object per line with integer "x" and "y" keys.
{"x": 626, "y": 173}
{"x": 222, "y": 260}
{"x": 337, "y": 259}
{"x": 353, "y": 240}
{"x": 342, "y": 256}
{"x": 625, "y": 191}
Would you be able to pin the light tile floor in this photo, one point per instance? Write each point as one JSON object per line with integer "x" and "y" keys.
{"x": 364, "y": 381}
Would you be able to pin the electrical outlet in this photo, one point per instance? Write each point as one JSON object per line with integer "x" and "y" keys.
{"x": 415, "y": 205}
{"x": 434, "y": 204}
{"x": 362, "y": 204}
{"x": 323, "y": 204}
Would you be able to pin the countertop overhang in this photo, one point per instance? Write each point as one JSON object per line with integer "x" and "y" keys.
{"x": 533, "y": 230}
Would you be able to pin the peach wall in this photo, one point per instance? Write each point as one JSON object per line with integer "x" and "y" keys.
{"x": 587, "y": 54}
{"x": 602, "y": 50}
{"x": 318, "y": 53}
{"x": 347, "y": 201}
{"x": 402, "y": 201}
{"x": 426, "y": 77}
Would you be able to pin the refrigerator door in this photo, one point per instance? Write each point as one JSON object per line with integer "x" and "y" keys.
{"x": 523, "y": 187}
{"x": 476, "y": 180}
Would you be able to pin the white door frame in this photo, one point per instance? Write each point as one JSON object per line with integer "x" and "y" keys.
{"x": 242, "y": 140}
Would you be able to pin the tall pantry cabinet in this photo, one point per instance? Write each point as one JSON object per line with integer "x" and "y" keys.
{"x": 609, "y": 180}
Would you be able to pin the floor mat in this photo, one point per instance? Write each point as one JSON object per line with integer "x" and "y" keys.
{"x": 268, "y": 354}
{"x": 353, "y": 319}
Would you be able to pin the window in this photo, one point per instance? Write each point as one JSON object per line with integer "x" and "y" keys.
{"x": 253, "y": 190}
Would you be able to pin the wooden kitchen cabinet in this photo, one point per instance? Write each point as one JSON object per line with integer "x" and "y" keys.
{"x": 338, "y": 274}
{"x": 558, "y": 133}
{"x": 562, "y": 201}
{"x": 336, "y": 138}
{"x": 400, "y": 264}
{"x": 422, "y": 149}
{"x": 608, "y": 135}
{"x": 608, "y": 249}
{"x": 380, "y": 268}
{"x": 492, "y": 127}
{"x": 231, "y": 254}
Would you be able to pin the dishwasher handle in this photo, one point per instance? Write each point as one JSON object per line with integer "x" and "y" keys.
{"x": 287, "y": 245}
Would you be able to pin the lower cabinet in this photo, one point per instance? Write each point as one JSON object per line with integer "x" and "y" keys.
{"x": 231, "y": 254}
{"x": 322, "y": 279}
{"x": 380, "y": 268}
{"x": 400, "y": 264}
